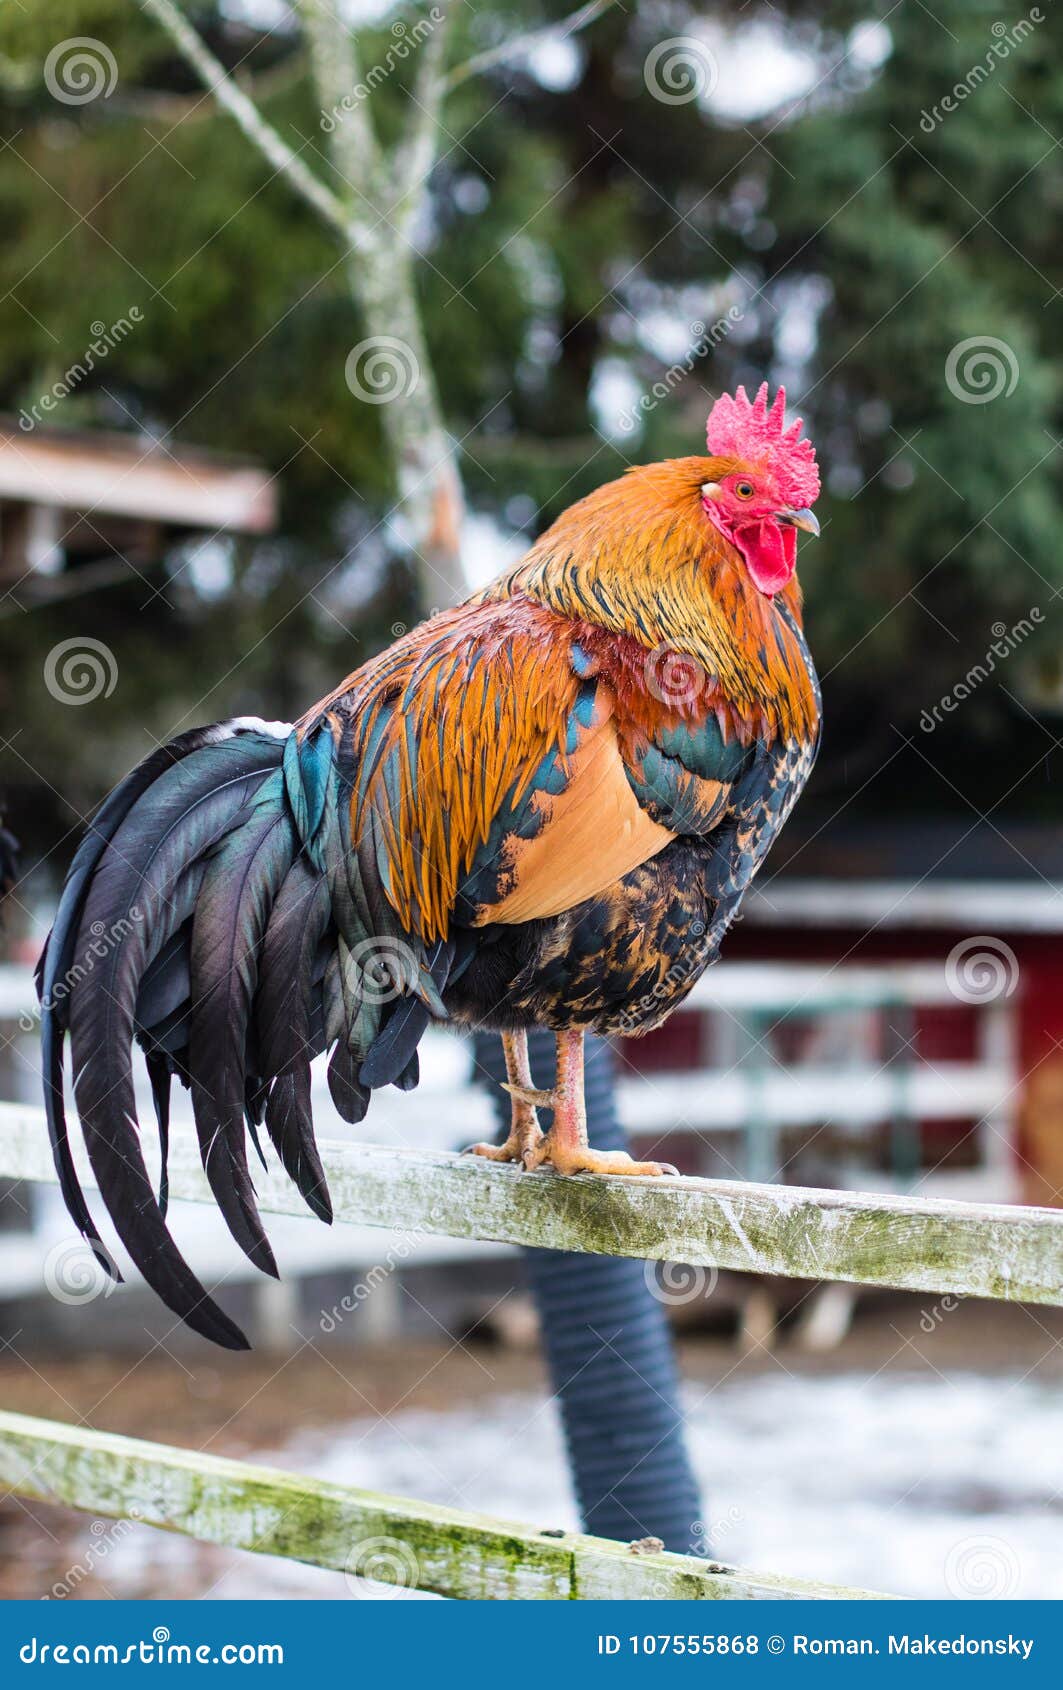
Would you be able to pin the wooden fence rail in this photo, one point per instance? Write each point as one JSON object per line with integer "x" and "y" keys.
{"x": 385, "y": 1538}
{"x": 932, "y": 1245}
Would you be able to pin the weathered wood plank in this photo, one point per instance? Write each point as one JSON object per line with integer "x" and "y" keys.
{"x": 967, "y": 1249}
{"x": 415, "y": 1544}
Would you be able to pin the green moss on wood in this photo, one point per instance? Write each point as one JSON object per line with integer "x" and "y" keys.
{"x": 449, "y": 1552}
{"x": 940, "y": 1247}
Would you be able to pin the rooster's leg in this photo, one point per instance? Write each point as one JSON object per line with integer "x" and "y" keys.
{"x": 565, "y": 1146}
{"x": 525, "y": 1134}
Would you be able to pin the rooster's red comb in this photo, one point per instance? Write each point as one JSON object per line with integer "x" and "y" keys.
{"x": 738, "y": 429}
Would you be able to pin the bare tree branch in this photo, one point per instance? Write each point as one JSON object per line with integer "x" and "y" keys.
{"x": 230, "y": 95}
{"x": 383, "y": 190}
{"x": 413, "y": 159}
{"x": 352, "y": 138}
{"x": 508, "y": 50}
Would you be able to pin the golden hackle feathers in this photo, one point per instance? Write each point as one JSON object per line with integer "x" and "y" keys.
{"x": 638, "y": 558}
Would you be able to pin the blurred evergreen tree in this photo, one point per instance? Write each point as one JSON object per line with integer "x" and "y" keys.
{"x": 584, "y": 238}
{"x": 926, "y": 228}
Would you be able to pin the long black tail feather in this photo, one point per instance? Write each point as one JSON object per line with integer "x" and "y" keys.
{"x": 55, "y": 973}
{"x": 140, "y": 894}
{"x": 216, "y": 912}
{"x": 241, "y": 882}
{"x": 293, "y": 963}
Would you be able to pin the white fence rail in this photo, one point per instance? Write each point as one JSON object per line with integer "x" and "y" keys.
{"x": 933, "y": 1244}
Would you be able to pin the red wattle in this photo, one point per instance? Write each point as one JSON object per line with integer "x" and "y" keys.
{"x": 770, "y": 551}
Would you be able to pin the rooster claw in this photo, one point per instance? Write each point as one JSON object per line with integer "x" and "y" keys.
{"x": 527, "y": 1094}
{"x": 493, "y": 1152}
{"x": 520, "y": 1147}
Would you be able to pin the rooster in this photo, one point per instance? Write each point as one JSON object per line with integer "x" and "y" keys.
{"x": 542, "y": 808}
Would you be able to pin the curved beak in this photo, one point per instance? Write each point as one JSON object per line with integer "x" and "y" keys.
{"x": 799, "y": 519}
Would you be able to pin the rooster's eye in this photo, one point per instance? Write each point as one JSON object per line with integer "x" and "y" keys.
{"x": 744, "y": 489}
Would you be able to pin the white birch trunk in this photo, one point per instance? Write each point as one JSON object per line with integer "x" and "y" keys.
{"x": 430, "y": 502}
{"x": 371, "y": 211}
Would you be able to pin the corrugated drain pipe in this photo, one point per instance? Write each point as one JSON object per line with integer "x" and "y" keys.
{"x": 609, "y": 1349}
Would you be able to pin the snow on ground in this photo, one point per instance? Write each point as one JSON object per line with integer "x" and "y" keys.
{"x": 920, "y": 1486}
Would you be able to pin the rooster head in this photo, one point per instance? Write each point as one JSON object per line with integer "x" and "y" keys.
{"x": 764, "y": 483}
